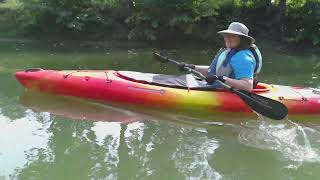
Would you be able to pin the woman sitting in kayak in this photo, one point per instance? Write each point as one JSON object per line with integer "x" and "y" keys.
{"x": 237, "y": 64}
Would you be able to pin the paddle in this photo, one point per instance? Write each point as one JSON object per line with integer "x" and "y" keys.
{"x": 260, "y": 104}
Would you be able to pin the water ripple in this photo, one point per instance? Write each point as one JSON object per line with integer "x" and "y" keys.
{"x": 289, "y": 138}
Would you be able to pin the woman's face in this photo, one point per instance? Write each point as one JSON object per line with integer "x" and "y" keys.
{"x": 231, "y": 40}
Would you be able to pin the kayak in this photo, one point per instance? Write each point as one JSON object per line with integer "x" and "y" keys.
{"x": 162, "y": 91}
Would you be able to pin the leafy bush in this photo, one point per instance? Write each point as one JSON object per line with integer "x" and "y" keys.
{"x": 162, "y": 19}
{"x": 302, "y": 22}
{"x": 74, "y": 17}
{"x": 154, "y": 19}
{"x": 8, "y": 21}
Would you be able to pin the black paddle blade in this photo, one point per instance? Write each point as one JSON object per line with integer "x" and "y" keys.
{"x": 160, "y": 57}
{"x": 264, "y": 106}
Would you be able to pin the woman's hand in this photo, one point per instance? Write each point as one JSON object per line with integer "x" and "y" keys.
{"x": 212, "y": 78}
{"x": 182, "y": 65}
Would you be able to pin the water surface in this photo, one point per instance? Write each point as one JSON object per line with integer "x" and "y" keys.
{"x": 52, "y": 137}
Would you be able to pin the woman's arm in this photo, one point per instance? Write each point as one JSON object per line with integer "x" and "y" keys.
{"x": 202, "y": 69}
{"x": 242, "y": 84}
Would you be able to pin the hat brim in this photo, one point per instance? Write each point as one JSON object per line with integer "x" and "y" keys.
{"x": 237, "y": 33}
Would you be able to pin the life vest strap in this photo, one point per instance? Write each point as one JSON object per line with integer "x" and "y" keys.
{"x": 256, "y": 57}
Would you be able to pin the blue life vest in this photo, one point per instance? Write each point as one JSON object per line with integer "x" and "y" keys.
{"x": 221, "y": 66}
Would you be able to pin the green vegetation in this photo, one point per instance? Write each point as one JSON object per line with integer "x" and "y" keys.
{"x": 292, "y": 21}
{"x": 10, "y": 13}
{"x": 10, "y": 4}
{"x": 302, "y": 23}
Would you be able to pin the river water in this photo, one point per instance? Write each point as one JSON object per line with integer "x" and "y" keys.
{"x": 53, "y": 137}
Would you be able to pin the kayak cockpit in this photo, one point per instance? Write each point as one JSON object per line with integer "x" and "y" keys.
{"x": 186, "y": 81}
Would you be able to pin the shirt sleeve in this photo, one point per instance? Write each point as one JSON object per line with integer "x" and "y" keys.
{"x": 243, "y": 64}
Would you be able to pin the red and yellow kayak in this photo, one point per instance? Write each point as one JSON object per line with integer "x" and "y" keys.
{"x": 117, "y": 86}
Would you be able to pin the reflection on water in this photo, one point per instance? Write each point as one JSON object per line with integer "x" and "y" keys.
{"x": 192, "y": 153}
{"x": 179, "y": 145}
{"x": 134, "y": 131}
{"x": 76, "y": 108}
{"x": 22, "y": 139}
{"x": 140, "y": 148}
{"x": 107, "y": 136}
{"x": 148, "y": 147}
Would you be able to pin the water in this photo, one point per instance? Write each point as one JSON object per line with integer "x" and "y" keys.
{"x": 52, "y": 137}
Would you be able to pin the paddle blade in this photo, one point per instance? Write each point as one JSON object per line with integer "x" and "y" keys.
{"x": 264, "y": 106}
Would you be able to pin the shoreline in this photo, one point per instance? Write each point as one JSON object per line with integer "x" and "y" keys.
{"x": 135, "y": 44}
